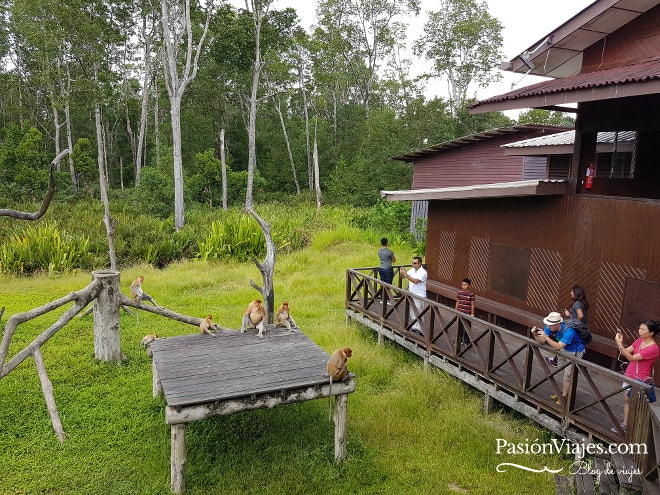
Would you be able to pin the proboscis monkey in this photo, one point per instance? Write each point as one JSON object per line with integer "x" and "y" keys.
{"x": 254, "y": 317}
{"x": 137, "y": 292}
{"x": 284, "y": 318}
{"x": 148, "y": 339}
{"x": 206, "y": 325}
{"x": 337, "y": 370}
{"x": 337, "y": 364}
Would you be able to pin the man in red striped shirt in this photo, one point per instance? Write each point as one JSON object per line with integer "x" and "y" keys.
{"x": 465, "y": 303}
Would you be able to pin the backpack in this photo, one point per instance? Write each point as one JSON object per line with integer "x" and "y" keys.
{"x": 581, "y": 330}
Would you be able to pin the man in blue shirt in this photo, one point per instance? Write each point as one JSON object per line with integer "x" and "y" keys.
{"x": 561, "y": 338}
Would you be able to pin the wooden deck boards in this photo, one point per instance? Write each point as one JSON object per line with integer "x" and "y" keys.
{"x": 195, "y": 369}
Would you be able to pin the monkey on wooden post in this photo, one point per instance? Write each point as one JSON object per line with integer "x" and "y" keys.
{"x": 284, "y": 318}
{"x": 337, "y": 370}
{"x": 137, "y": 292}
{"x": 254, "y": 317}
{"x": 206, "y": 325}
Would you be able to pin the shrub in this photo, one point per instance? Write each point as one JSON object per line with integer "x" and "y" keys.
{"x": 42, "y": 248}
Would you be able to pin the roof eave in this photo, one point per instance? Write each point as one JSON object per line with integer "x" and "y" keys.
{"x": 483, "y": 191}
{"x": 606, "y": 92}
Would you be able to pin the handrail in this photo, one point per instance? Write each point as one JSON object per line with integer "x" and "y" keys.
{"x": 512, "y": 362}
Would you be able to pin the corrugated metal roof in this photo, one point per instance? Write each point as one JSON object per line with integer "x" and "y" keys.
{"x": 481, "y": 136}
{"x": 616, "y": 76}
{"x": 568, "y": 137}
{"x": 543, "y": 187}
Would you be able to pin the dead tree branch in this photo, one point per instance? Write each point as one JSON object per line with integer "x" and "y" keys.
{"x": 20, "y": 215}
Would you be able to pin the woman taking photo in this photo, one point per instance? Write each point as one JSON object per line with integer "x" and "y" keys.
{"x": 641, "y": 355}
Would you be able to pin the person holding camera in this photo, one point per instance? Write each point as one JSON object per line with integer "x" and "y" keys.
{"x": 641, "y": 356}
{"x": 562, "y": 338}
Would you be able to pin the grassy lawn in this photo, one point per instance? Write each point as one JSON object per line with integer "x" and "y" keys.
{"x": 410, "y": 430}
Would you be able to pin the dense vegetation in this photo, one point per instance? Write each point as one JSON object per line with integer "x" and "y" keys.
{"x": 410, "y": 430}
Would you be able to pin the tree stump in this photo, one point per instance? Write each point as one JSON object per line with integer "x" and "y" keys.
{"x": 107, "y": 344}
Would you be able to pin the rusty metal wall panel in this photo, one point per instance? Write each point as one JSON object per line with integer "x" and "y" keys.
{"x": 446, "y": 251}
{"x": 609, "y": 296}
{"x": 596, "y": 242}
{"x": 478, "y": 263}
{"x": 544, "y": 281}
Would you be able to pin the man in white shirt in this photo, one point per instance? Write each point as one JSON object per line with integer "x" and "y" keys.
{"x": 416, "y": 277}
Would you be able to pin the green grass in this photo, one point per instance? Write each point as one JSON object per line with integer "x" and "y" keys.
{"x": 410, "y": 430}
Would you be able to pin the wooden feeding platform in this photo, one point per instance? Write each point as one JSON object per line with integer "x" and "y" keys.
{"x": 209, "y": 375}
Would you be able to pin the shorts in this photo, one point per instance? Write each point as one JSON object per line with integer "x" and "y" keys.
{"x": 650, "y": 394}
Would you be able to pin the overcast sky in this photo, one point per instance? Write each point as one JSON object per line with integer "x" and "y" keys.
{"x": 525, "y": 22}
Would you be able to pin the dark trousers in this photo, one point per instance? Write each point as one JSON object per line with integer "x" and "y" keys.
{"x": 386, "y": 275}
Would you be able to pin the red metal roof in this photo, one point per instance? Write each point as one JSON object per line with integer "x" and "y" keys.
{"x": 617, "y": 76}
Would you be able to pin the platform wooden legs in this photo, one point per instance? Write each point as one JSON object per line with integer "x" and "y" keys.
{"x": 341, "y": 409}
{"x": 178, "y": 458}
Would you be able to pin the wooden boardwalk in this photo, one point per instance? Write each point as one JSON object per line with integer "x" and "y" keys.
{"x": 209, "y": 375}
{"x": 511, "y": 368}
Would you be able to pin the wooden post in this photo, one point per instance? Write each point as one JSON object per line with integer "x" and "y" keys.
{"x": 341, "y": 408}
{"x": 47, "y": 389}
{"x": 156, "y": 386}
{"x": 107, "y": 344}
{"x": 178, "y": 458}
{"x": 488, "y": 403}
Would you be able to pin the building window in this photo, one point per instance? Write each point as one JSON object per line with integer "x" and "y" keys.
{"x": 616, "y": 157}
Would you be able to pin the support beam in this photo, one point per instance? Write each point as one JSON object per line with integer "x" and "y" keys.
{"x": 178, "y": 458}
{"x": 47, "y": 389}
{"x": 156, "y": 386}
{"x": 341, "y": 412}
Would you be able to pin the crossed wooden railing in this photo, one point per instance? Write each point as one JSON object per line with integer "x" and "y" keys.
{"x": 510, "y": 367}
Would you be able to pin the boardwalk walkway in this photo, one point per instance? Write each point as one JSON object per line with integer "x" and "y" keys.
{"x": 204, "y": 375}
{"x": 510, "y": 368}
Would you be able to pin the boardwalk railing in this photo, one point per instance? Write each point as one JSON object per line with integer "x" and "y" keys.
{"x": 509, "y": 367}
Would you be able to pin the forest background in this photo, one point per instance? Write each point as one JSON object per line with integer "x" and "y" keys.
{"x": 154, "y": 95}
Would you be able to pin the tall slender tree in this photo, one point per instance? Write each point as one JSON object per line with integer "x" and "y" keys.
{"x": 181, "y": 64}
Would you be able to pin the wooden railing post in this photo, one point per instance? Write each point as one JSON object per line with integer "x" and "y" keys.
{"x": 107, "y": 344}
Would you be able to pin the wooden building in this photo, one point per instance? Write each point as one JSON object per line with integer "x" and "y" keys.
{"x": 470, "y": 160}
{"x": 524, "y": 244}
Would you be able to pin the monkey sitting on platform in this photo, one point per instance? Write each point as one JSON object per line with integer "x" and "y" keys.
{"x": 337, "y": 364}
{"x": 254, "y": 317}
{"x": 206, "y": 325}
{"x": 148, "y": 339}
{"x": 284, "y": 318}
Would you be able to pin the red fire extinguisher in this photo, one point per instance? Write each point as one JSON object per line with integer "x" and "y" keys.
{"x": 589, "y": 179}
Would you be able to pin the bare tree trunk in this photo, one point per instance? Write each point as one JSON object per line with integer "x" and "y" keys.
{"x": 156, "y": 125}
{"x": 317, "y": 185}
{"x": 176, "y": 27}
{"x": 288, "y": 145}
{"x": 69, "y": 135}
{"x": 175, "y": 115}
{"x": 56, "y": 124}
{"x": 107, "y": 342}
{"x": 223, "y": 161}
{"x": 107, "y": 220}
{"x": 144, "y": 112}
{"x": 308, "y": 148}
{"x": 267, "y": 268}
